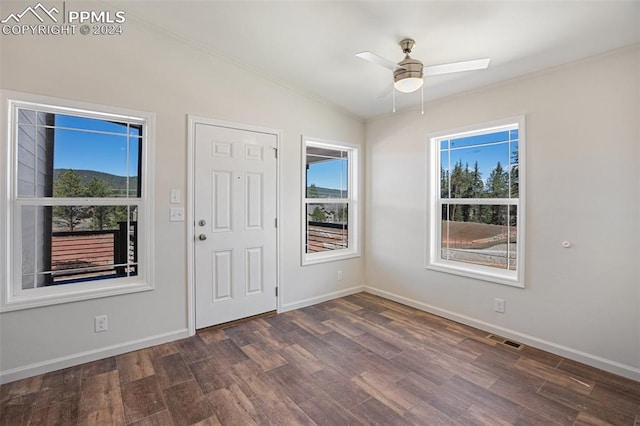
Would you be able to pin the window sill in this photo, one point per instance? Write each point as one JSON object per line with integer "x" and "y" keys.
{"x": 324, "y": 258}
{"x": 509, "y": 278}
{"x": 16, "y": 303}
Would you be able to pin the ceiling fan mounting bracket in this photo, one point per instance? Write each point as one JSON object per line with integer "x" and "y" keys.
{"x": 406, "y": 45}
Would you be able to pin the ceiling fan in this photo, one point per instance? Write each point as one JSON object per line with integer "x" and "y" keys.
{"x": 408, "y": 73}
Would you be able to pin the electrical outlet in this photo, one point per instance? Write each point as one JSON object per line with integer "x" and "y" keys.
{"x": 101, "y": 324}
{"x": 176, "y": 214}
{"x": 339, "y": 275}
{"x": 498, "y": 305}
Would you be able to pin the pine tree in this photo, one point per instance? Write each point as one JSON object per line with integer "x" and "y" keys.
{"x": 477, "y": 190}
{"x": 101, "y": 214}
{"x": 342, "y": 214}
{"x": 497, "y": 184}
{"x": 467, "y": 192}
{"x": 69, "y": 185}
{"x": 514, "y": 182}
{"x": 497, "y": 187}
{"x": 318, "y": 215}
{"x": 120, "y": 214}
{"x": 444, "y": 183}
{"x": 457, "y": 191}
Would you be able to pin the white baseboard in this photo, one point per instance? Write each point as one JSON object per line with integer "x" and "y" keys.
{"x": 88, "y": 356}
{"x": 561, "y": 350}
{"x": 319, "y": 299}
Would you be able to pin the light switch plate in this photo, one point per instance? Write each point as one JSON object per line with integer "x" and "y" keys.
{"x": 177, "y": 214}
{"x": 175, "y": 197}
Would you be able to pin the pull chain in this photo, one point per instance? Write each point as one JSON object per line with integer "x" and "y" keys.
{"x": 394, "y": 99}
{"x": 421, "y": 99}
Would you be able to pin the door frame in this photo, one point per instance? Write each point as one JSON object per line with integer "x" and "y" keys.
{"x": 190, "y": 207}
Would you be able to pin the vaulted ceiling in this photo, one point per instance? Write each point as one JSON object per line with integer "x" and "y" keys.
{"x": 310, "y": 46}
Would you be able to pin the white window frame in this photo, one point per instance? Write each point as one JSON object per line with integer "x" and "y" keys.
{"x": 13, "y": 297}
{"x": 433, "y": 259}
{"x": 353, "y": 181}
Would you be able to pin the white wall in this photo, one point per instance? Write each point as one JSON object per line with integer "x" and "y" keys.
{"x": 146, "y": 70}
{"x": 583, "y": 185}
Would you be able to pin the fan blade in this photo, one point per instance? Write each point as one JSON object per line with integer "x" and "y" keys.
{"x": 477, "y": 64}
{"x": 379, "y": 60}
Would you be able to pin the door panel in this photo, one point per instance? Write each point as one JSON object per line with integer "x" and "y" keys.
{"x": 222, "y": 275}
{"x": 254, "y": 201}
{"x": 221, "y": 208}
{"x": 254, "y": 270}
{"x": 235, "y": 247}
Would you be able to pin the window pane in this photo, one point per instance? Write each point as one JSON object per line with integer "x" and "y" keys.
{"x": 129, "y": 248}
{"x": 513, "y": 237}
{"x": 91, "y": 124}
{"x": 36, "y": 250}
{"x": 87, "y": 217}
{"x": 444, "y": 174}
{"x": 29, "y": 231}
{"x": 90, "y": 156}
{"x": 35, "y": 157}
{"x": 102, "y": 243}
{"x": 133, "y": 185}
{"x": 45, "y": 161}
{"x": 477, "y": 172}
{"x": 514, "y": 153}
{"x": 327, "y": 173}
{"x": 514, "y": 173}
{"x": 103, "y": 164}
{"x": 327, "y": 227}
{"x": 26, "y": 161}
{"x": 486, "y": 138}
{"x": 26, "y": 116}
{"x": 480, "y": 234}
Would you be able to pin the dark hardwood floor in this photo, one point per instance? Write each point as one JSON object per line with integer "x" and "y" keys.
{"x": 356, "y": 360}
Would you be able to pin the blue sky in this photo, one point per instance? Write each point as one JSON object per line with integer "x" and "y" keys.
{"x": 328, "y": 174}
{"x": 481, "y": 148}
{"x": 81, "y": 150}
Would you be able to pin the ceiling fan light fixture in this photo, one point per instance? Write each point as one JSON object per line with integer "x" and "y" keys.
{"x": 408, "y": 84}
{"x": 407, "y": 77}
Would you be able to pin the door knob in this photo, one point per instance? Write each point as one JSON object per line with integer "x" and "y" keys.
{"x": 202, "y": 237}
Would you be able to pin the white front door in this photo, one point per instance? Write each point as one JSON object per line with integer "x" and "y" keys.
{"x": 235, "y": 229}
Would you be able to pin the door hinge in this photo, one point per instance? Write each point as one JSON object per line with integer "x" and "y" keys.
{"x": 275, "y": 152}
{"x": 276, "y": 291}
{"x": 275, "y": 221}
